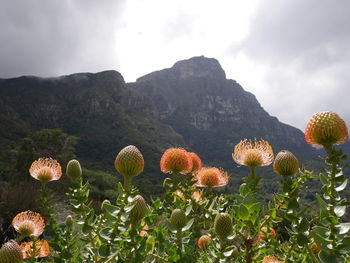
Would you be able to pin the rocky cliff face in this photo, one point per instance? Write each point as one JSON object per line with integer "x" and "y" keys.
{"x": 97, "y": 108}
{"x": 214, "y": 113}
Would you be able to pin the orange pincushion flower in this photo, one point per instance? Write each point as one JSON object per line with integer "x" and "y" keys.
{"x": 28, "y": 223}
{"x": 211, "y": 177}
{"x": 203, "y": 241}
{"x": 196, "y": 162}
{"x": 41, "y": 249}
{"x": 197, "y": 196}
{"x": 253, "y": 153}
{"x": 326, "y": 128}
{"x": 176, "y": 160}
{"x": 264, "y": 233}
{"x": 271, "y": 259}
{"x": 45, "y": 170}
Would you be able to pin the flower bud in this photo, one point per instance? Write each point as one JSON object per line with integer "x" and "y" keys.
{"x": 11, "y": 252}
{"x": 178, "y": 219}
{"x": 286, "y": 164}
{"x": 139, "y": 210}
{"x": 129, "y": 161}
{"x": 223, "y": 225}
{"x": 73, "y": 170}
{"x": 69, "y": 221}
{"x": 203, "y": 241}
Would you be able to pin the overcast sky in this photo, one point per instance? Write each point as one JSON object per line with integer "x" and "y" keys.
{"x": 293, "y": 55}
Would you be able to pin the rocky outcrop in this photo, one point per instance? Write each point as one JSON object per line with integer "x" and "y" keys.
{"x": 213, "y": 113}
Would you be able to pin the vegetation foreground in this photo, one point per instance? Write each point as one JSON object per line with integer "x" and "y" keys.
{"x": 193, "y": 222}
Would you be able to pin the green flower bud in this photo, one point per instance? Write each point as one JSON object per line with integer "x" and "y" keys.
{"x": 129, "y": 161}
{"x": 73, "y": 169}
{"x": 139, "y": 210}
{"x": 178, "y": 219}
{"x": 11, "y": 252}
{"x": 223, "y": 225}
{"x": 69, "y": 221}
{"x": 286, "y": 164}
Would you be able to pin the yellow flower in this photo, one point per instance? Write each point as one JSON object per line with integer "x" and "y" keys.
{"x": 253, "y": 153}
{"x": 211, "y": 177}
{"x": 28, "y": 224}
{"x": 45, "y": 170}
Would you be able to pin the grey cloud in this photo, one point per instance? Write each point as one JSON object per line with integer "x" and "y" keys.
{"x": 304, "y": 49}
{"x": 57, "y": 36}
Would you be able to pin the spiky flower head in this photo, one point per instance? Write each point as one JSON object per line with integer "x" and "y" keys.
{"x": 253, "y": 153}
{"x": 129, "y": 161}
{"x": 196, "y": 162}
{"x": 211, "y": 177}
{"x": 326, "y": 128}
{"x": 178, "y": 219}
{"x": 266, "y": 233}
{"x": 45, "y": 170}
{"x": 223, "y": 225}
{"x": 196, "y": 195}
{"x": 29, "y": 223}
{"x": 40, "y": 249}
{"x": 176, "y": 161}
{"x": 286, "y": 164}
{"x": 73, "y": 170}
{"x": 11, "y": 252}
{"x": 203, "y": 241}
{"x": 271, "y": 259}
{"x": 140, "y": 208}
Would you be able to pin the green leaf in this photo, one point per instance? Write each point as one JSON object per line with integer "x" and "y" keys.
{"x": 150, "y": 243}
{"x": 293, "y": 204}
{"x": 188, "y": 210}
{"x": 323, "y": 179}
{"x": 106, "y": 233}
{"x": 244, "y": 189}
{"x": 321, "y": 202}
{"x": 188, "y": 225}
{"x": 329, "y": 258}
{"x": 103, "y": 251}
{"x": 303, "y": 225}
{"x": 340, "y": 210}
{"x": 342, "y": 186}
{"x": 321, "y": 242}
{"x": 343, "y": 228}
{"x": 243, "y": 212}
{"x": 302, "y": 240}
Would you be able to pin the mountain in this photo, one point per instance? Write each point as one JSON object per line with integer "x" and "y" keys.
{"x": 97, "y": 108}
{"x": 213, "y": 113}
{"x": 190, "y": 105}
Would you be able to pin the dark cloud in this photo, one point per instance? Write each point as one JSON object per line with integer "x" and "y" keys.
{"x": 57, "y": 36}
{"x": 304, "y": 49}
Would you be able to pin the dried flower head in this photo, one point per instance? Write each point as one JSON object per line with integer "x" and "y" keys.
{"x": 29, "y": 223}
{"x": 253, "y": 153}
{"x": 129, "y": 161}
{"x": 211, "y": 177}
{"x": 326, "y": 128}
{"x": 271, "y": 259}
{"x": 196, "y": 162}
{"x": 175, "y": 161}
{"x": 286, "y": 164}
{"x": 11, "y": 252}
{"x": 203, "y": 241}
{"x": 45, "y": 170}
{"x": 39, "y": 249}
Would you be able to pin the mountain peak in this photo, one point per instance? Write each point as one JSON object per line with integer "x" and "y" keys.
{"x": 199, "y": 67}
